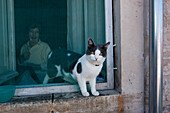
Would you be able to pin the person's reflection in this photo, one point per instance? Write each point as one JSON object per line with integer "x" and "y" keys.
{"x": 33, "y": 56}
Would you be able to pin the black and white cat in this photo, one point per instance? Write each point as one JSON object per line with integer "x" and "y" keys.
{"x": 88, "y": 67}
{"x": 82, "y": 68}
{"x": 58, "y": 63}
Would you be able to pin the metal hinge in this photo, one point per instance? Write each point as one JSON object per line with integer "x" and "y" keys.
{"x": 114, "y": 45}
{"x": 115, "y": 68}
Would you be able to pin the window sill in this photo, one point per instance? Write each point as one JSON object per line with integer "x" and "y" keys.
{"x": 48, "y": 97}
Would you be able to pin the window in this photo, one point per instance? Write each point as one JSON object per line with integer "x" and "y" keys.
{"x": 64, "y": 24}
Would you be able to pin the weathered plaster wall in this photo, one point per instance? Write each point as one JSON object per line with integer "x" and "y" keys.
{"x": 132, "y": 47}
{"x": 166, "y": 58}
{"x": 132, "y": 53}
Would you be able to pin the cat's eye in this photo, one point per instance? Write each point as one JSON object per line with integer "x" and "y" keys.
{"x": 100, "y": 54}
{"x": 92, "y": 53}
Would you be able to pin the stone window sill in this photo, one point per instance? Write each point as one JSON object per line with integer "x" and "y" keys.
{"x": 49, "y": 97}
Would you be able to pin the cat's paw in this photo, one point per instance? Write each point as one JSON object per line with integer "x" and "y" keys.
{"x": 85, "y": 94}
{"x": 96, "y": 93}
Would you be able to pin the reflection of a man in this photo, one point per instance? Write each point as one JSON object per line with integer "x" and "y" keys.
{"x": 33, "y": 54}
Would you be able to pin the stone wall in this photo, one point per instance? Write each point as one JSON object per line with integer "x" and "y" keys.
{"x": 166, "y": 58}
{"x": 108, "y": 102}
{"x": 146, "y": 56}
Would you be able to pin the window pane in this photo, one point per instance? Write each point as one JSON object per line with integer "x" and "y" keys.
{"x": 60, "y": 26}
{"x": 3, "y": 40}
{"x": 3, "y": 60}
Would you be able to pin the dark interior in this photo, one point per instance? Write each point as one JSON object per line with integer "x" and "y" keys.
{"x": 51, "y": 15}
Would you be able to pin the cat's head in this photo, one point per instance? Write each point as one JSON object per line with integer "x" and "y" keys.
{"x": 96, "y": 53}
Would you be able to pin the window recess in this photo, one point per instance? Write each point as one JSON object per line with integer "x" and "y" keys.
{"x": 64, "y": 24}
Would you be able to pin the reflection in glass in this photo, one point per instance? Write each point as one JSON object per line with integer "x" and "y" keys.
{"x": 61, "y": 27}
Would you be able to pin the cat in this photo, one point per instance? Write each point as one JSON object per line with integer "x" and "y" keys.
{"x": 58, "y": 63}
{"x": 88, "y": 67}
{"x": 62, "y": 64}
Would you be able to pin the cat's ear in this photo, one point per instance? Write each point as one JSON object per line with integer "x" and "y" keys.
{"x": 105, "y": 46}
{"x": 90, "y": 43}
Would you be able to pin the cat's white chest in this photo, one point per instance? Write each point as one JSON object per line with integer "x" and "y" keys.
{"x": 89, "y": 70}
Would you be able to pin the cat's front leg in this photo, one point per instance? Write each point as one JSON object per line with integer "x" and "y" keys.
{"x": 93, "y": 87}
{"x": 83, "y": 87}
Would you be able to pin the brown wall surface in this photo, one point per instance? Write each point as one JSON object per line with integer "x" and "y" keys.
{"x": 166, "y": 58}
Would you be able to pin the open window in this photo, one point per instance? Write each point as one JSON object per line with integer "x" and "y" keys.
{"x": 65, "y": 24}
